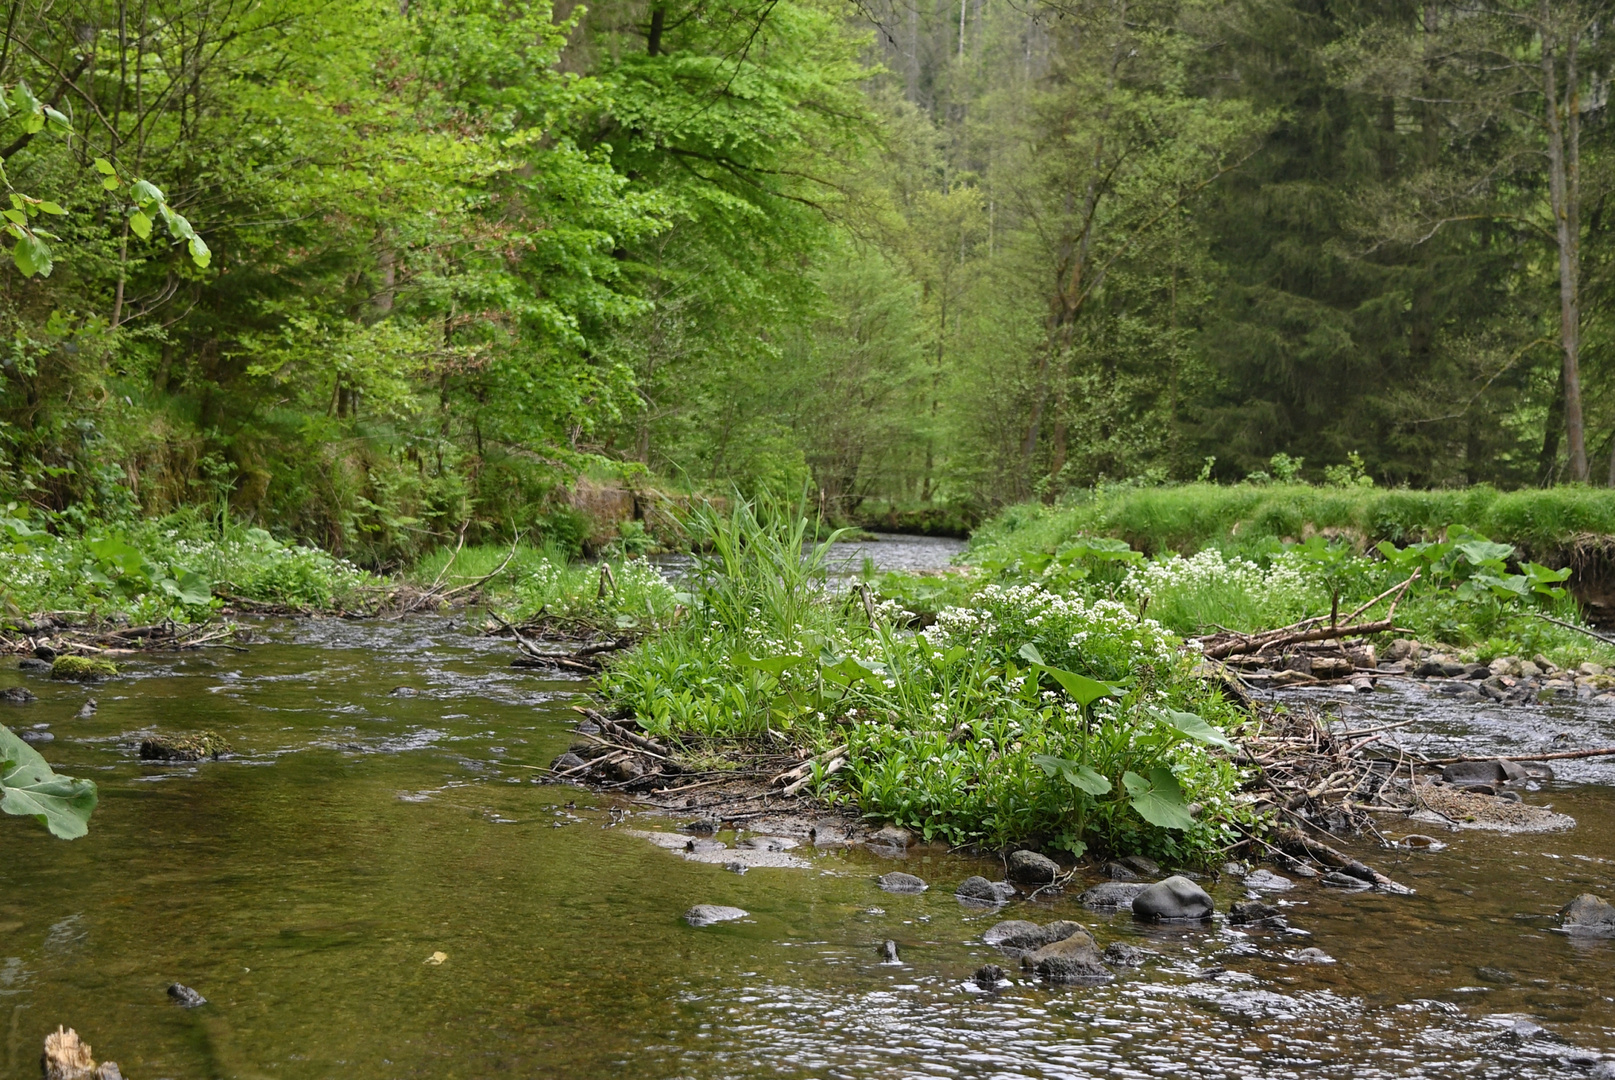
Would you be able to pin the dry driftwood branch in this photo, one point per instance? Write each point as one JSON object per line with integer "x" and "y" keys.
{"x": 1220, "y": 647}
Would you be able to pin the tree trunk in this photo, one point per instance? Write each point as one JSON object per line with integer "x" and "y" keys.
{"x": 1564, "y": 191}
{"x": 1548, "y": 460}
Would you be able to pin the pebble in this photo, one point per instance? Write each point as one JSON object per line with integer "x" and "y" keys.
{"x": 185, "y": 997}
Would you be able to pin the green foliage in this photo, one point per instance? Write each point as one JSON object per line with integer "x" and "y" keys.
{"x": 30, "y": 788}
{"x": 1021, "y": 713}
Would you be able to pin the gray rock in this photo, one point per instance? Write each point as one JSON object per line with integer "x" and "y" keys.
{"x": 403, "y": 691}
{"x": 17, "y": 695}
{"x": 1072, "y": 959}
{"x": 36, "y": 735}
{"x": 108, "y": 1070}
{"x": 767, "y": 843}
{"x": 892, "y": 836}
{"x": 1440, "y": 669}
{"x": 1119, "y": 872}
{"x": 1022, "y": 935}
{"x": 86, "y": 710}
{"x": 1337, "y": 880}
{"x": 1588, "y": 914}
{"x": 1112, "y": 895}
{"x": 707, "y": 914}
{"x": 33, "y": 663}
{"x": 1267, "y": 881}
{"x": 1497, "y": 771}
{"x": 567, "y": 762}
{"x": 1313, "y": 956}
{"x": 980, "y": 890}
{"x": 899, "y": 882}
{"x": 1011, "y": 931}
{"x": 185, "y": 997}
{"x": 1147, "y": 868}
{"x": 1176, "y": 898}
{"x": 1121, "y": 954}
{"x": 988, "y": 976}
{"x": 1032, "y": 869}
{"x": 1256, "y": 913}
{"x": 888, "y": 953}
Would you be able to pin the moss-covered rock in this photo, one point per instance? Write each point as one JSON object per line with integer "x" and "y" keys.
{"x": 82, "y": 668}
{"x": 190, "y": 746}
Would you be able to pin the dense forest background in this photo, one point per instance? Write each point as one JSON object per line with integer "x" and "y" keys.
{"x": 924, "y": 253}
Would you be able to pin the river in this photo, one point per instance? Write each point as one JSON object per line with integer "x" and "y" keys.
{"x": 304, "y": 885}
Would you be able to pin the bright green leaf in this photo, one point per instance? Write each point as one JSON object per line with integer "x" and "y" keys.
{"x": 1158, "y": 800}
{"x": 30, "y": 788}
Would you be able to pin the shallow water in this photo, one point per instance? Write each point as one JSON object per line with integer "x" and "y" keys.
{"x": 302, "y": 885}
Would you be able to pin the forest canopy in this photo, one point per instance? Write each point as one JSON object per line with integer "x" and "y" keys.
{"x": 374, "y": 273}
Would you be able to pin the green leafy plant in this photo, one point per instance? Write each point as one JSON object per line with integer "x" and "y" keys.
{"x": 29, "y": 787}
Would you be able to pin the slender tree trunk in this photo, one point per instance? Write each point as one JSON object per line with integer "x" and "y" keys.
{"x": 1564, "y": 190}
{"x": 1548, "y": 459}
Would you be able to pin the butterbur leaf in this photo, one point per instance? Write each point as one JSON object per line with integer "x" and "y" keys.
{"x": 30, "y": 788}
{"x": 1082, "y": 777}
{"x": 1158, "y": 799}
{"x": 1083, "y": 690}
{"x": 1029, "y": 653}
{"x": 1195, "y": 727}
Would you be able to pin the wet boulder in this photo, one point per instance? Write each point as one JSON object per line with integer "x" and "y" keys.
{"x": 899, "y": 882}
{"x": 979, "y": 890}
{"x": 1256, "y": 914}
{"x": 1030, "y": 868}
{"x": 1120, "y": 872}
{"x": 988, "y": 976}
{"x": 1020, "y": 935}
{"x": 1072, "y": 959}
{"x": 1112, "y": 895}
{"x": 888, "y": 953}
{"x": 82, "y": 669}
{"x": 1121, "y": 954}
{"x": 1267, "y": 881}
{"x": 17, "y": 695}
{"x": 707, "y": 914}
{"x": 1589, "y": 915}
{"x": 1173, "y": 900}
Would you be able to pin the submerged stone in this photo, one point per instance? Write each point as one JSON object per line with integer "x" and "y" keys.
{"x": 899, "y": 882}
{"x": 1267, "y": 881}
{"x": 1121, "y": 954}
{"x": 185, "y": 997}
{"x": 988, "y": 976}
{"x": 17, "y": 695}
{"x": 707, "y": 914}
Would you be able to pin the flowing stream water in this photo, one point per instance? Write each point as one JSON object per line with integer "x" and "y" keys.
{"x": 304, "y": 884}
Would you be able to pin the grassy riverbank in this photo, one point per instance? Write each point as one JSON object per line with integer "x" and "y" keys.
{"x": 1186, "y": 518}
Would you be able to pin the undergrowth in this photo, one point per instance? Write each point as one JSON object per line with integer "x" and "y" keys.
{"x": 1024, "y": 715}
